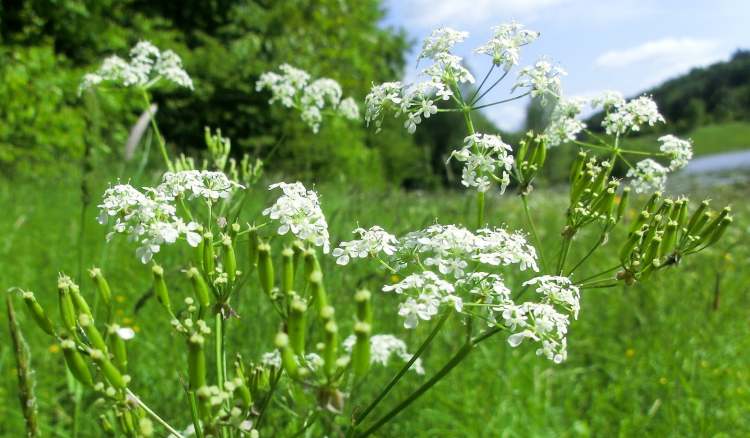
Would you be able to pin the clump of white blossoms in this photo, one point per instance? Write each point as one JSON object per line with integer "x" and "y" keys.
{"x": 506, "y": 42}
{"x": 383, "y": 348}
{"x": 631, "y": 115}
{"x": 370, "y": 243}
{"x": 147, "y": 67}
{"x": 150, "y": 218}
{"x": 648, "y": 176}
{"x": 294, "y": 88}
{"x": 542, "y": 80}
{"x": 678, "y": 150}
{"x": 564, "y": 127}
{"x": 298, "y": 211}
{"x": 487, "y": 157}
{"x": 425, "y": 292}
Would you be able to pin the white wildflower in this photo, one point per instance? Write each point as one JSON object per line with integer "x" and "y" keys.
{"x": 607, "y": 99}
{"x": 298, "y": 211}
{"x": 539, "y": 322}
{"x": 383, "y": 348}
{"x": 504, "y": 46}
{"x": 485, "y": 156}
{"x": 349, "y": 109}
{"x": 370, "y": 243}
{"x": 558, "y": 291}
{"x": 679, "y": 151}
{"x": 542, "y": 80}
{"x": 648, "y": 176}
{"x": 441, "y": 41}
{"x": 630, "y": 116}
{"x": 563, "y": 126}
{"x": 426, "y": 293}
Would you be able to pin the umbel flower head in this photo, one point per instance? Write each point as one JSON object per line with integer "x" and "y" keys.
{"x": 485, "y": 156}
{"x": 648, "y": 176}
{"x": 293, "y": 88}
{"x": 383, "y": 348}
{"x": 505, "y": 44}
{"x": 370, "y": 243}
{"x": 298, "y": 211}
{"x": 678, "y": 150}
{"x": 147, "y": 67}
{"x": 150, "y": 218}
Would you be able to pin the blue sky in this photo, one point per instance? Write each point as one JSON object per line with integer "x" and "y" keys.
{"x": 626, "y": 45}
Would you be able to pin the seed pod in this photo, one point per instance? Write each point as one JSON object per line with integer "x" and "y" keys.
{"x": 665, "y": 209}
{"x": 643, "y": 216}
{"x": 95, "y": 338}
{"x": 331, "y": 344}
{"x": 719, "y": 231}
{"x": 623, "y": 205}
{"x": 577, "y": 167}
{"x": 79, "y": 302}
{"x": 669, "y": 239}
{"x": 697, "y": 215}
{"x": 318, "y": 291}
{"x": 117, "y": 345}
{"x": 230, "y": 260}
{"x": 364, "y": 305}
{"x": 209, "y": 258}
{"x": 699, "y": 225}
{"x": 651, "y": 203}
{"x": 241, "y": 381}
{"x": 299, "y": 252}
{"x": 196, "y": 362}
{"x": 287, "y": 355}
{"x": 652, "y": 253}
{"x": 111, "y": 373}
{"x": 234, "y": 229}
{"x": 67, "y": 309}
{"x": 102, "y": 285}
{"x": 287, "y": 271}
{"x": 604, "y": 204}
{"x": 296, "y": 325}
{"x": 679, "y": 212}
{"x": 160, "y": 288}
{"x": 523, "y": 147}
{"x": 198, "y": 251}
{"x": 627, "y": 249}
{"x": 540, "y": 155}
{"x": 75, "y": 362}
{"x": 38, "y": 314}
{"x": 601, "y": 177}
{"x": 711, "y": 227}
{"x": 361, "y": 350}
{"x": 252, "y": 251}
{"x": 265, "y": 268}
{"x": 200, "y": 288}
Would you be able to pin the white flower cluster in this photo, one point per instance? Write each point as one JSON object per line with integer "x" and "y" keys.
{"x": 150, "y": 217}
{"x": 648, "y": 176}
{"x": 298, "y": 210}
{"x": 631, "y": 115}
{"x": 311, "y": 361}
{"x": 485, "y": 156}
{"x": 487, "y": 289}
{"x": 370, "y": 243}
{"x": 293, "y": 89}
{"x": 383, "y": 348}
{"x": 426, "y": 292}
{"x": 441, "y": 41}
{"x": 542, "y": 80}
{"x": 558, "y": 290}
{"x": 147, "y": 66}
{"x": 539, "y": 322}
{"x": 563, "y": 126}
{"x": 678, "y": 150}
{"x": 505, "y": 44}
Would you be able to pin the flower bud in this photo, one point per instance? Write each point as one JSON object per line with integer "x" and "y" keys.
{"x": 230, "y": 260}
{"x": 79, "y": 302}
{"x": 265, "y": 268}
{"x": 669, "y": 239}
{"x": 331, "y": 345}
{"x": 665, "y": 209}
{"x": 75, "y": 362}
{"x": 697, "y": 215}
{"x": 287, "y": 270}
{"x": 361, "y": 350}
{"x": 643, "y": 216}
{"x": 651, "y": 203}
{"x": 711, "y": 227}
{"x": 719, "y": 230}
{"x": 523, "y": 147}
{"x": 252, "y": 248}
{"x": 577, "y": 167}
{"x": 296, "y": 324}
{"x": 209, "y": 263}
{"x": 160, "y": 288}
{"x": 299, "y": 253}
{"x": 287, "y": 355}
{"x": 699, "y": 225}
{"x": 627, "y": 249}
{"x": 38, "y": 314}
{"x": 200, "y": 288}
{"x": 364, "y": 305}
{"x": 311, "y": 262}
{"x": 679, "y": 212}
{"x": 102, "y": 285}
{"x": 652, "y": 253}
{"x": 540, "y": 155}
{"x": 196, "y": 362}
{"x": 95, "y": 338}
{"x": 111, "y": 373}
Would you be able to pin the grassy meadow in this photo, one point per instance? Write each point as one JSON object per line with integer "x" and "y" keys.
{"x": 663, "y": 358}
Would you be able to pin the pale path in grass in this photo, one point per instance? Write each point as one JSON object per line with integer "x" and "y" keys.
{"x": 719, "y": 162}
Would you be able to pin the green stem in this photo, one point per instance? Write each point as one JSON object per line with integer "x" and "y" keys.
{"x": 480, "y": 209}
{"x": 588, "y": 254}
{"x": 510, "y": 99}
{"x": 194, "y": 414}
{"x": 534, "y": 233}
{"x": 220, "y": 360}
{"x": 494, "y": 84}
{"x": 563, "y": 254}
{"x": 359, "y": 418}
{"x": 153, "y": 414}
{"x": 479, "y": 88}
{"x": 452, "y": 363}
{"x": 159, "y": 138}
{"x": 607, "y": 271}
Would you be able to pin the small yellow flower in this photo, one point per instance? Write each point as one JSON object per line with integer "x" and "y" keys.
{"x": 395, "y": 278}
{"x": 120, "y": 298}
{"x": 136, "y": 329}
{"x": 119, "y": 312}
{"x": 663, "y": 380}
{"x": 629, "y": 352}
{"x": 127, "y": 321}
{"x": 54, "y": 348}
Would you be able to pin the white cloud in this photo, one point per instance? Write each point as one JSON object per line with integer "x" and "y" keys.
{"x": 429, "y": 14}
{"x": 664, "y": 51}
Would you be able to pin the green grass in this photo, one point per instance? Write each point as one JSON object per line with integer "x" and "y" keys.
{"x": 664, "y": 358}
{"x": 708, "y": 139}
